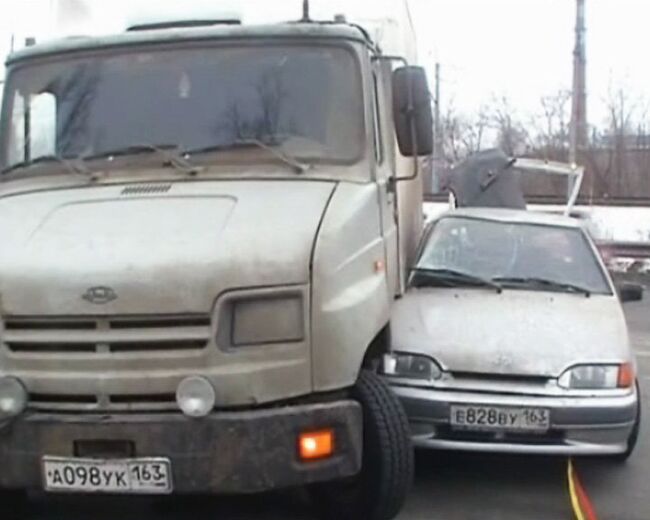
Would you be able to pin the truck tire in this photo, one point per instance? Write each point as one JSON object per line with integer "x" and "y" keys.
{"x": 380, "y": 489}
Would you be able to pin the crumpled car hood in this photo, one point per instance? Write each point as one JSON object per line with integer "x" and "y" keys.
{"x": 513, "y": 333}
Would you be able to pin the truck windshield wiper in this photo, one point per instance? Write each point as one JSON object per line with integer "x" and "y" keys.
{"x": 453, "y": 277}
{"x": 169, "y": 152}
{"x": 544, "y": 282}
{"x": 296, "y": 165}
{"x": 75, "y": 166}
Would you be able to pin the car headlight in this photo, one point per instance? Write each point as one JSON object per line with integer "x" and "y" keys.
{"x": 195, "y": 396}
{"x": 13, "y": 397}
{"x": 410, "y": 366}
{"x": 596, "y": 377}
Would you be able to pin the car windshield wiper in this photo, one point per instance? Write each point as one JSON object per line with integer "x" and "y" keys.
{"x": 543, "y": 282}
{"x": 452, "y": 276}
{"x": 169, "y": 152}
{"x": 75, "y": 166}
{"x": 296, "y": 165}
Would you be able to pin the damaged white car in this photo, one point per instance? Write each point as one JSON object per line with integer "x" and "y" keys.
{"x": 511, "y": 338}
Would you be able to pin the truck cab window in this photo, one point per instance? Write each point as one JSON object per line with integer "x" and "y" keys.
{"x": 33, "y": 132}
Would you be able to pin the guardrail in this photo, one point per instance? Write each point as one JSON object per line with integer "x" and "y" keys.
{"x": 555, "y": 200}
{"x": 618, "y": 249}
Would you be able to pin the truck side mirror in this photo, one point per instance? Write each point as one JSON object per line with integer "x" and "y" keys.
{"x": 630, "y": 292}
{"x": 412, "y": 111}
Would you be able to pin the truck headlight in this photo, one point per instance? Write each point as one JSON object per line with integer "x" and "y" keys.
{"x": 410, "y": 366}
{"x": 260, "y": 320}
{"x": 195, "y": 396}
{"x": 598, "y": 377}
{"x": 13, "y": 397}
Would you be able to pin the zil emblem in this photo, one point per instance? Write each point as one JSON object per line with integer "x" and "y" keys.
{"x": 99, "y": 295}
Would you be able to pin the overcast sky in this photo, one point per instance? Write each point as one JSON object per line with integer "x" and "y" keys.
{"x": 518, "y": 48}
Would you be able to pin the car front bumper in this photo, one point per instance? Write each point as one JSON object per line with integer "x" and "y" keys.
{"x": 226, "y": 452}
{"x": 579, "y": 425}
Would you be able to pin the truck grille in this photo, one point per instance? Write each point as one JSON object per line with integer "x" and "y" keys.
{"x": 106, "y": 335}
{"x": 109, "y": 403}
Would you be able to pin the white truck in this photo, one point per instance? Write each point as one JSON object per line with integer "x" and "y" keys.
{"x": 203, "y": 228}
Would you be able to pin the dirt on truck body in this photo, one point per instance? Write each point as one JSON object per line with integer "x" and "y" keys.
{"x": 203, "y": 231}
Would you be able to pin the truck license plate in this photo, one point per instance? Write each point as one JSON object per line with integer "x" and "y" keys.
{"x": 143, "y": 476}
{"x": 497, "y": 418}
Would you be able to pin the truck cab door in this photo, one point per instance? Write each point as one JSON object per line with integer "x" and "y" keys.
{"x": 384, "y": 153}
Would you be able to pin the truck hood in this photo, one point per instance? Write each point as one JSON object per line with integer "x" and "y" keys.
{"x": 513, "y": 333}
{"x": 158, "y": 247}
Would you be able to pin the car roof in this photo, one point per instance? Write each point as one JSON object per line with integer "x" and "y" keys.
{"x": 191, "y": 34}
{"x": 514, "y": 216}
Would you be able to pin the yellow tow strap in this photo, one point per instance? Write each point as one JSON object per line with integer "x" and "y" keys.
{"x": 580, "y": 503}
{"x": 575, "y": 502}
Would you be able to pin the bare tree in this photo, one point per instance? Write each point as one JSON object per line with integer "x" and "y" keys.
{"x": 474, "y": 130}
{"x": 512, "y": 135}
{"x": 261, "y": 120}
{"x": 551, "y": 125}
{"x": 617, "y": 157}
{"x": 451, "y": 141}
{"x": 463, "y": 134}
{"x": 621, "y": 113}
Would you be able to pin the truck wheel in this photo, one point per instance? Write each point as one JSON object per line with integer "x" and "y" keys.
{"x": 380, "y": 489}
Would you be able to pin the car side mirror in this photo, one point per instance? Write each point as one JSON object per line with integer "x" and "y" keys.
{"x": 630, "y": 292}
{"x": 412, "y": 111}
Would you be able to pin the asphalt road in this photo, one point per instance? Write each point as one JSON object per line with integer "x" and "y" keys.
{"x": 448, "y": 486}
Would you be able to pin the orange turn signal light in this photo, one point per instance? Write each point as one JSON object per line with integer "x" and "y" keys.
{"x": 316, "y": 445}
{"x": 625, "y": 375}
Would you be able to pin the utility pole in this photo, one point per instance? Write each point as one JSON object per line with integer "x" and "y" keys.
{"x": 579, "y": 130}
{"x": 305, "y": 11}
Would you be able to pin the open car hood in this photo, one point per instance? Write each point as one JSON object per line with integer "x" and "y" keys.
{"x": 486, "y": 179}
{"x": 492, "y": 179}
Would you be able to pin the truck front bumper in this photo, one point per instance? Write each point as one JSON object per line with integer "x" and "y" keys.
{"x": 226, "y": 452}
{"x": 578, "y": 425}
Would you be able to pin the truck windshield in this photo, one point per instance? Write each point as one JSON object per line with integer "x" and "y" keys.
{"x": 302, "y": 100}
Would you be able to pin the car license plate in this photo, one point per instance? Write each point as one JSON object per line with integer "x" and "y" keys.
{"x": 144, "y": 476}
{"x": 478, "y": 417}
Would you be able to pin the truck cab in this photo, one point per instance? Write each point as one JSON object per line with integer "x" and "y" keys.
{"x": 203, "y": 230}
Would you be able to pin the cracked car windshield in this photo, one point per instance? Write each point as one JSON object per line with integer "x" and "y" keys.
{"x": 513, "y": 254}
{"x": 302, "y": 100}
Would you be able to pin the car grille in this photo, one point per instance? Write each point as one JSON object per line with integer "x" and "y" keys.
{"x": 102, "y": 336}
{"x": 498, "y": 383}
{"x": 503, "y": 378}
{"x": 551, "y": 437}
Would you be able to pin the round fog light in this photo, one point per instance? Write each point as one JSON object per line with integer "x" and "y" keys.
{"x": 195, "y": 396}
{"x": 13, "y": 397}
